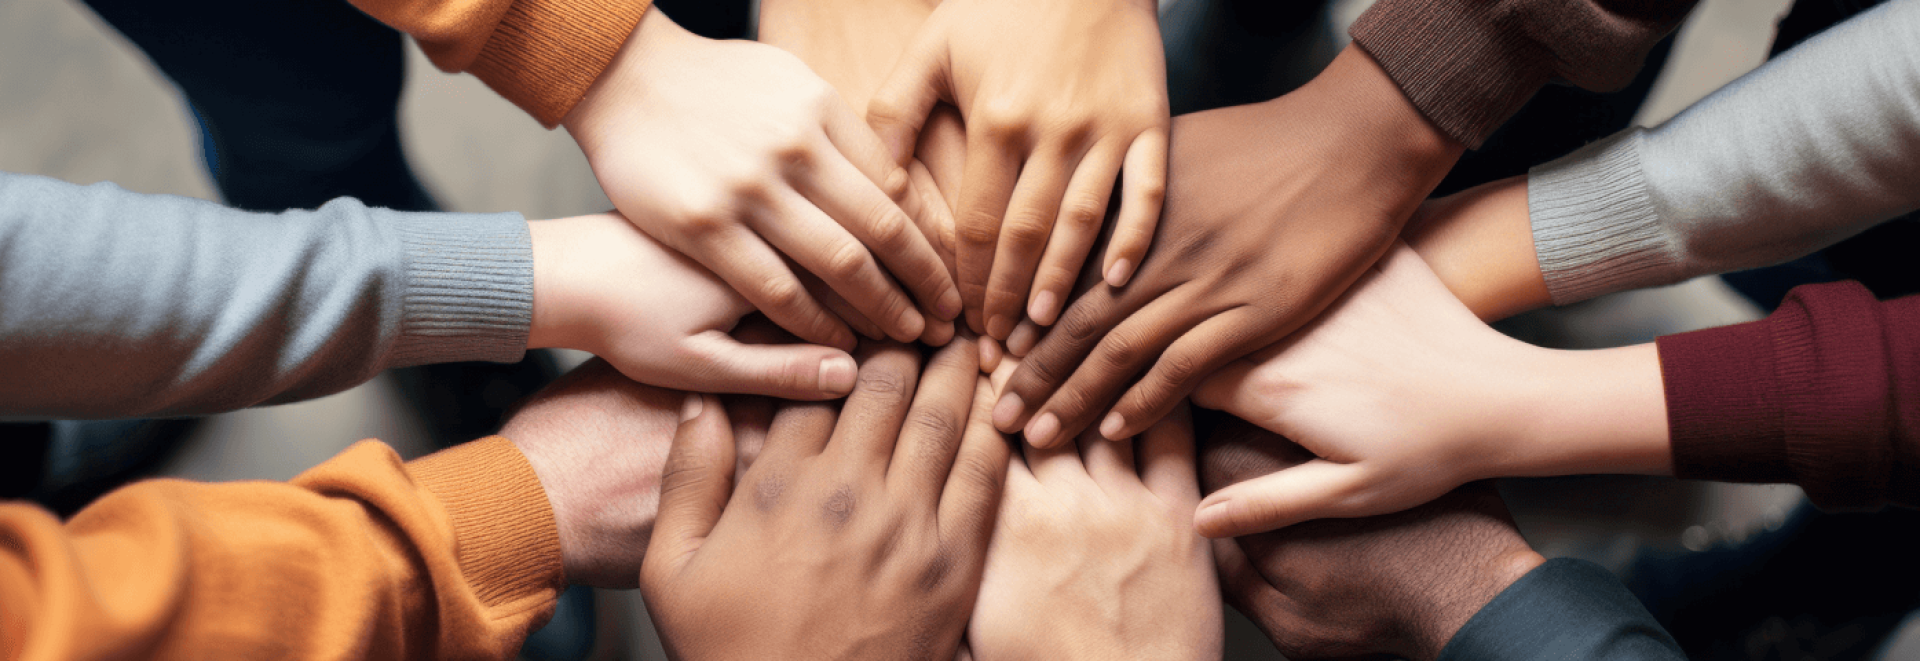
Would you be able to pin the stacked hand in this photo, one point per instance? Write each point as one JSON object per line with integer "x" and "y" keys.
{"x": 738, "y": 156}
{"x": 1273, "y": 209}
{"x": 855, "y": 534}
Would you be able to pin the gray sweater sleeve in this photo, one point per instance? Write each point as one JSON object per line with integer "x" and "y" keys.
{"x": 1814, "y": 146}
{"x": 116, "y": 304}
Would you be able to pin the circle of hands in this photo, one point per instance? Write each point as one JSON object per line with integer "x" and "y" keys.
{"x": 959, "y": 315}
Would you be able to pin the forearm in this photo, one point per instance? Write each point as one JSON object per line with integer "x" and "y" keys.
{"x": 1813, "y": 147}
{"x": 450, "y": 556}
{"x": 1481, "y": 244}
{"x": 120, "y": 305}
{"x": 1564, "y": 609}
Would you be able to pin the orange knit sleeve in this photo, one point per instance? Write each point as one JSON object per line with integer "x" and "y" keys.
{"x": 454, "y": 555}
{"x": 540, "y": 54}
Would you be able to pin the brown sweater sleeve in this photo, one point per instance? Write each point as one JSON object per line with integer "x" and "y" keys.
{"x": 540, "y": 54}
{"x": 1468, "y": 65}
{"x": 454, "y": 555}
{"x": 1825, "y": 393}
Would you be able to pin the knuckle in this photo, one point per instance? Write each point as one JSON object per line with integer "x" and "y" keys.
{"x": 889, "y": 228}
{"x": 1178, "y": 369}
{"x": 1150, "y": 192}
{"x": 1084, "y": 213}
{"x": 782, "y": 293}
{"x": 980, "y": 229}
{"x": 793, "y": 155}
{"x": 839, "y": 506}
{"x": 846, "y": 261}
{"x": 1121, "y": 350}
{"x": 896, "y": 184}
{"x": 935, "y": 424}
{"x": 1027, "y": 230}
{"x": 1079, "y": 328}
{"x": 882, "y": 382}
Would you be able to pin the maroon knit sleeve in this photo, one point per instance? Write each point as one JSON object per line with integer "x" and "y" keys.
{"x": 1468, "y": 65}
{"x": 1825, "y": 393}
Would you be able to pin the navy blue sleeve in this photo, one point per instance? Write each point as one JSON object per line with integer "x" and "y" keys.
{"x": 1563, "y": 609}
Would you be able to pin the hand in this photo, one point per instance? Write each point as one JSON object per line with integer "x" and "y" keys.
{"x": 597, "y": 441}
{"x": 1273, "y": 210}
{"x": 1399, "y": 585}
{"x": 735, "y": 154}
{"x": 1057, "y": 95}
{"x": 603, "y": 287}
{"x": 1094, "y": 555}
{"x": 1404, "y": 395}
{"x": 853, "y": 535}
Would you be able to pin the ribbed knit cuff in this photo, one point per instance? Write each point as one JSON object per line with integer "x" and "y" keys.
{"x": 1595, "y": 229}
{"x": 1456, "y": 60}
{"x": 1798, "y": 397}
{"x": 469, "y": 287}
{"x": 547, "y": 53}
{"x": 508, "y": 540}
{"x": 1563, "y": 609}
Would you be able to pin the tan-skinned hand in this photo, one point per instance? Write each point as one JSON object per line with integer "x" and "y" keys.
{"x": 856, "y": 534}
{"x": 1094, "y": 555}
{"x": 737, "y": 155}
{"x": 1057, "y": 95}
{"x": 1273, "y": 210}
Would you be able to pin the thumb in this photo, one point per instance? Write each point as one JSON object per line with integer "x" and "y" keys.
{"x": 695, "y": 483}
{"x": 900, "y": 107}
{"x": 788, "y": 371}
{"x": 1313, "y": 490}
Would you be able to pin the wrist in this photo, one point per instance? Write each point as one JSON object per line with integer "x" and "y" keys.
{"x": 1480, "y": 243}
{"x": 1593, "y": 411}
{"x": 654, "y": 41}
{"x": 1380, "y": 123}
{"x": 555, "y": 322}
{"x": 1435, "y": 621}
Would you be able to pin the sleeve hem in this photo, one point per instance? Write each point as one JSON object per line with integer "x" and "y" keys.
{"x": 508, "y": 541}
{"x": 468, "y": 288}
{"x": 1595, "y": 228}
{"x": 1467, "y": 73}
{"x": 546, "y": 54}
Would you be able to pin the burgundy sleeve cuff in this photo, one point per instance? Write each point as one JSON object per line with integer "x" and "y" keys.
{"x": 1803, "y": 396}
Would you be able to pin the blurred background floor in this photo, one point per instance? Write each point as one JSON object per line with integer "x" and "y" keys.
{"x": 80, "y": 104}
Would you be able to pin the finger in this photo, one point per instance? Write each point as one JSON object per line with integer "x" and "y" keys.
{"x": 1227, "y": 388}
{"x": 799, "y": 430}
{"x": 1109, "y": 462}
{"x": 1119, "y": 357}
{"x": 1188, "y": 360}
{"x": 1052, "y": 464}
{"x": 883, "y": 217}
{"x": 752, "y": 419}
{"x": 1023, "y": 337}
{"x": 715, "y": 362}
{"x": 695, "y": 483}
{"x": 761, "y": 276}
{"x": 1313, "y": 490}
{"x": 1142, "y": 193}
{"x": 993, "y": 167}
{"x": 937, "y": 333}
{"x": 971, "y": 496}
{"x": 937, "y": 225}
{"x": 1057, "y": 356}
{"x": 840, "y": 307}
{"x": 821, "y": 246}
{"x": 990, "y": 354}
{"x": 1167, "y": 459}
{"x": 1082, "y": 211}
{"x": 1244, "y": 586}
{"x": 900, "y": 106}
{"x": 870, "y": 421}
{"x": 1024, "y": 230}
{"x": 935, "y": 424}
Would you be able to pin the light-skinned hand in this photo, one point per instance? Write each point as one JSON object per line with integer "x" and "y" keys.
{"x": 1403, "y": 394}
{"x": 856, "y": 534}
{"x": 1272, "y": 211}
{"x": 603, "y": 287}
{"x": 735, "y": 154}
{"x": 1057, "y": 95}
{"x": 1094, "y": 555}
{"x": 1398, "y": 585}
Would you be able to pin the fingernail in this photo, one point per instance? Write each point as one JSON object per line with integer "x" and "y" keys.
{"x": 1112, "y": 426}
{"x": 989, "y": 354}
{"x": 1008, "y": 410}
{"x": 1207, "y": 519}
{"x": 1118, "y": 274}
{"x": 1044, "y": 307}
{"x": 692, "y": 407}
{"x": 999, "y": 326}
{"x": 949, "y": 306}
{"x": 1022, "y": 340}
{"x": 1040, "y": 432}
{"x": 837, "y": 375}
